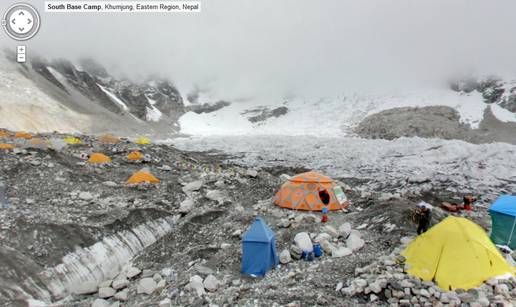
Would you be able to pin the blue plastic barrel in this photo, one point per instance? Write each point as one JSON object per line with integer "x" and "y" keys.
{"x": 317, "y": 250}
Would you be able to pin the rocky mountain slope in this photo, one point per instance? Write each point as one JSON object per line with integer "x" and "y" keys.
{"x": 58, "y": 95}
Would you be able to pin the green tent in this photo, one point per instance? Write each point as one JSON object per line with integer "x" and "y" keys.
{"x": 503, "y": 214}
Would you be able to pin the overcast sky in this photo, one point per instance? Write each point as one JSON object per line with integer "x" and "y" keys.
{"x": 262, "y": 47}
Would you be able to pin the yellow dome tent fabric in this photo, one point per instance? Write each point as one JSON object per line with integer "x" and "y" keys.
{"x": 135, "y": 156}
{"x": 143, "y": 141}
{"x": 142, "y": 177}
{"x": 456, "y": 253}
{"x": 4, "y": 146}
{"x": 301, "y": 192}
{"x": 108, "y": 138}
{"x": 99, "y": 158}
{"x": 72, "y": 141}
{"x": 23, "y": 135}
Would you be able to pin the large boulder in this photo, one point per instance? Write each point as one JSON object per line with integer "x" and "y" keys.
{"x": 345, "y": 230}
{"x": 340, "y": 251}
{"x": 304, "y": 242}
{"x": 196, "y": 284}
{"x": 106, "y": 292}
{"x": 186, "y": 205}
{"x": 100, "y": 303}
{"x": 211, "y": 283}
{"x": 331, "y": 231}
{"x": 192, "y": 186}
{"x": 120, "y": 283}
{"x": 322, "y": 237}
{"x": 354, "y": 242}
{"x": 88, "y": 287}
{"x": 146, "y": 285}
{"x": 284, "y": 256}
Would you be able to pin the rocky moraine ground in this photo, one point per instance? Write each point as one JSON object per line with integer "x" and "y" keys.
{"x": 74, "y": 234}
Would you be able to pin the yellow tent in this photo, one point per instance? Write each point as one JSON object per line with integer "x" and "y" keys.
{"x": 456, "y": 253}
{"x": 143, "y": 141}
{"x": 135, "y": 156}
{"x": 98, "y": 158}
{"x": 4, "y": 146}
{"x": 108, "y": 138}
{"x": 72, "y": 140}
{"x": 142, "y": 177}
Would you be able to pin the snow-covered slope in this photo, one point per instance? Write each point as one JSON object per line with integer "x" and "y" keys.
{"x": 43, "y": 96}
{"x": 330, "y": 116}
{"x": 24, "y": 107}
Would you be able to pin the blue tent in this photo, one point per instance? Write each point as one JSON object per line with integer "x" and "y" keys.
{"x": 258, "y": 249}
{"x": 503, "y": 214}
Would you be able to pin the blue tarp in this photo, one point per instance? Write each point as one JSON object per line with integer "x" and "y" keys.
{"x": 258, "y": 249}
{"x": 505, "y": 204}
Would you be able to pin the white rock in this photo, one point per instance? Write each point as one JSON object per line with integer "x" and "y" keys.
{"x": 186, "y": 205}
{"x": 106, "y": 292}
{"x": 196, "y": 284}
{"x": 88, "y": 287}
{"x": 166, "y": 272}
{"x": 284, "y": 177}
{"x": 146, "y": 285}
{"x": 85, "y": 196}
{"x": 122, "y": 295}
{"x": 331, "y": 231}
{"x": 327, "y": 247}
{"x": 216, "y": 195}
{"x": 284, "y": 256}
{"x": 161, "y": 285}
{"x": 354, "y": 242}
{"x": 304, "y": 242}
{"x": 192, "y": 186}
{"x": 211, "y": 283}
{"x": 339, "y": 286}
{"x": 340, "y": 251}
{"x": 133, "y": 272}
{"x": 165, "y": 303}
{"x": 359, "y": 282}
{"x": 501, "y": 289}
{"x": 110, "y": 184}
{"x": 252, "y": 173}
{"x": 106, "y": 283}
{"x": 375, "y": 287}
{"x": 120, "y": 283}
{"x": 100, "y": 303}
{"x": 166, "y": 168}
{"x": 345, "y": 230}
{"x": 322, "y": 237}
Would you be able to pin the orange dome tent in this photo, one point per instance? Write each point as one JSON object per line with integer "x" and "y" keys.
{"x": 301, "y": 192}
{"x": 4, "y": 146}
{"x": 23, "y": 135}
{"x": 3, "y": 134}
{"x": 142, "y": 177}
{"x": 98, "y": 158}
{"x": 108, "y": 138}
{"x": 135, "y": 156}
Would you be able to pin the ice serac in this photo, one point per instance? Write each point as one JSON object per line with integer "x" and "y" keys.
{"x": 103, "y": 260}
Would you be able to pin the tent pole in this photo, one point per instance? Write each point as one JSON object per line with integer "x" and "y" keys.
{"x": 512, "y": 231}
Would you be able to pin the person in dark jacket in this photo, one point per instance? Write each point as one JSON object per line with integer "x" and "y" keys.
{"x": 424, "y": 218}
{"x": 325, "y": 199}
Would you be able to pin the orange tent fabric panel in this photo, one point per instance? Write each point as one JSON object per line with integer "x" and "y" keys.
{"x": 98, "y": 158}
{"x": 142, "y": 177}
{"x": 301, "y": 193}
{"x": 134, "y": 156}
{"x": 23, "y": 135}
{"x": 4, "y": 146}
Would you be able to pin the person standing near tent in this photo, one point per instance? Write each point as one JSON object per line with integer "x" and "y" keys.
{"x": 325, "y": 199}
{"x": 424, "y": 216}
